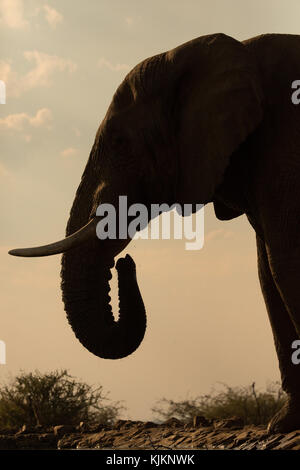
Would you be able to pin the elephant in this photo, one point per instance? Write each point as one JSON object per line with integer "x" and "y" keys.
{"x": 210, "y": 121}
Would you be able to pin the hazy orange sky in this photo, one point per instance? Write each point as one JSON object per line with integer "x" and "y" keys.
{"x": 62, "y": 61}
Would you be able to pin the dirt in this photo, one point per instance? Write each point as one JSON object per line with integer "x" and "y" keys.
{"x": 171, "y": 435}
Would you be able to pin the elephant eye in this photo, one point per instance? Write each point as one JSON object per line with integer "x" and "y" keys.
{"x": 120, "y": 142}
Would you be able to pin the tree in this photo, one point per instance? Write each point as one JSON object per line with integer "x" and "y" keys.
{"x": 244, "y": 402}
{"x": 53, "y": 398}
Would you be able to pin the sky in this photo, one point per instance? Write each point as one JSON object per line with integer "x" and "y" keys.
{"x": 207, "y": 324}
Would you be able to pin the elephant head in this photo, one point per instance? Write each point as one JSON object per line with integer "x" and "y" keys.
{"x": 168, "y": 136}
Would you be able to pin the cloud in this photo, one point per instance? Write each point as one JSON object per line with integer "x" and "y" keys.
{"x": 41, "y": 75}
{"x": 132, "y": 21}
{"x": 12, "y": 14}
{"x": 129, "y": 20}
{"x": 69, "y": 152}
{"x": 9, "y": 77}
{"x": 77, "y": 132}
{"x": 104, "y": 63}
{"x": 4, "y": 173}
{"x": 45, "y": 66}
{"x": 52, "y": 16}
{"x": 17, "y": 122}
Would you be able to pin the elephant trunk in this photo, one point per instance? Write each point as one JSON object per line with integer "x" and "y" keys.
{"x": 85, "y": 287}
{"x": 86, "y": 265}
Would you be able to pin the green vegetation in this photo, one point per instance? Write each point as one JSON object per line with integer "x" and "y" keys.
{"x": 244, "y": 402}
{"x": 52, "y": 399}
{"x": 57, "y": 398}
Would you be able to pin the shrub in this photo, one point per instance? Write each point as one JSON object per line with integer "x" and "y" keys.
{"x": 244, "y": 402}
{"x": 53, "y": 398}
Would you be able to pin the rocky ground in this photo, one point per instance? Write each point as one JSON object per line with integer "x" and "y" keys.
{"x": 201, "y": 434}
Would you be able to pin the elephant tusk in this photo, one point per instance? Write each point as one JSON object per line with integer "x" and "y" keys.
{"x": 83, "y": 234}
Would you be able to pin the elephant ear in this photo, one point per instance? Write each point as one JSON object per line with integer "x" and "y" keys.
{"x": 218, "y": 100}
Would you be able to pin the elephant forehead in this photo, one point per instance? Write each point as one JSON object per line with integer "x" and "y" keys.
{"x": 155, "y": 75}
{"x": 143, "y": 80}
